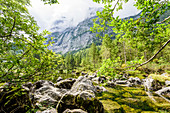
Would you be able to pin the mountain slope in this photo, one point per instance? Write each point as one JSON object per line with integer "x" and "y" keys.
{"x": 68, "y": 37}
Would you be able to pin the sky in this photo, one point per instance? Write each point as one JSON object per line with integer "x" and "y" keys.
{"x": 45, "y": 15}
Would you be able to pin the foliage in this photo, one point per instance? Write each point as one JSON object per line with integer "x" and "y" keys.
{"x": 136, "y": 37}
{"x": 50, "y": 1}
{"x": 109, "y": 67}
{"x": 23, "y": 55}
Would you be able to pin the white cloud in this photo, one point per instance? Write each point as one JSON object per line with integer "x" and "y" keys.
{"x": 45, "y": 15}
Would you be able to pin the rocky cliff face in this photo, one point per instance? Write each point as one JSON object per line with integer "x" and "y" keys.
{"x": 68, "y": 37}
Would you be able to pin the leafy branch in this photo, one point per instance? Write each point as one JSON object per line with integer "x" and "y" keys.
{"x": 10, "y": 34}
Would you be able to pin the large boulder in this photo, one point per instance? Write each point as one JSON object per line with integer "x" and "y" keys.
{"x": 74, "y": 111}
{"x": 14, "y": 99}
{"x": 65, "y": 84}
{"x": 81, "y": 96}
{"x": 84, "y": 100}
{"x": 45, "y": 94}
{"x": 82, "y": 84}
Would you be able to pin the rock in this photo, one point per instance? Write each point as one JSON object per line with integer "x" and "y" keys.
{"x": 99, "y": 80}
{"x": 102, "y": 79}
{"x": 27, "y": 86}
{"x": 121, "y": 82}
{"x": 14, "y": 100}
{"x": 84, "y": 100}
{"x": 59, "y": 79}
{"x": 65, "y": 84}
{"x": 101, "y": 89}
{"x": 90, "y": 77}
{"x": 96, "y": 80}
{"x": 110, "y": 84}
{"x": 167, "y": 83}
{"x": 157, "y": 85}
{"x": 134, "y": 81}
{"x": 41, "y": 83}
{"x": 82, "y": 84}
{"x": 82, "y": 73}
{"x": 74, "y": 111}
{"x": 81, "y": 96}
{"x": 46, "y": 94}
{"x": 52, "y": 110}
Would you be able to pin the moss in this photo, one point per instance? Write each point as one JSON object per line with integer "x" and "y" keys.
{"x": 126, "y": 95}
{"x": 111, "y": 106}
{"x": 130, "y": 110}
{"x": 1, "y": 84}
{"x": 160, "y": 78}
{"x": 131, "y": 100}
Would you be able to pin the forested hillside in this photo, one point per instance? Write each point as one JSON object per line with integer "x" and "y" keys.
{"x": 128, "y": 72}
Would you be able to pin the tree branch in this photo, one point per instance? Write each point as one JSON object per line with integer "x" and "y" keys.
{"x": 163, "y": 20}
{"x": 153, "y": 55}
{"x": 10, "y": 34}
{"x": 14, "y": 65}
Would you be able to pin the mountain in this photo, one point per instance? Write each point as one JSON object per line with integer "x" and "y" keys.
{"x": 71, "y": 37}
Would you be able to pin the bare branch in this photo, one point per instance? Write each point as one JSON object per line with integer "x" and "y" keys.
{"x": 154, "y": 55}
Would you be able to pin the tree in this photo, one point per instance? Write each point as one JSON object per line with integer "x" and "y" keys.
{"x": 93, "y": 53}
{"x": 23, "y": 55}
{"x": 147, "y": 33}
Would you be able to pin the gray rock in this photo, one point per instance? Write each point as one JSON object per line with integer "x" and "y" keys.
{"x": 46, "y": 94}
{"x": 167, "y": 83}
{"x": 59, "y": 79}
{"x": 96, "y": 80}
{"x": 121, "y": 82}
{"x": 65, "y": 84}
{"x": 110, "y": 84}
{"x": 84, "y": 100}
{"x": 74, "y": 111}
{"x": 101, "y": 89}
{"x": 134, "y": 81}
{"x": 82, "y": 84}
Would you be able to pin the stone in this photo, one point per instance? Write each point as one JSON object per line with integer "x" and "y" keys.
{"x": 121, "y": 82}
{"x": 65, "y": 84}
{"x": 59, "y": 79}
{"x": 167, "y": 83}
{"x": 110, "y": 84}
{"x": 51, "y": 110}
{"x": 46, "y": 94}
{"x": 74, "y": 111}
{"x": 82, "y": 84}
{"x": 101, "y": 89}
{"x": 27, "y": 86}
{"x": 134, "y": 81}
{"x": 17, "y": 100}
{"x": 84, "y": 100}
{"x": 102, "y": 79}
{"x": 96, "y": 80}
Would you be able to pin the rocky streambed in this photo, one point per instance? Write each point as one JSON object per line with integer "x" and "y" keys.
{"x": 82, "y": 96}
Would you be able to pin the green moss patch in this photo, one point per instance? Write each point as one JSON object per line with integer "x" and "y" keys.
{"x": 160, "y": 78}
{"x": 131, "y": 100}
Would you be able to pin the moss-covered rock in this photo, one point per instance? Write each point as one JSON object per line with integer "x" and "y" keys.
{"x": 14, "y": 100}
{"x": 83, "y": 100}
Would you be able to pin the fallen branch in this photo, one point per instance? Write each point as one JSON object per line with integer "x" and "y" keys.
{"x": 159, "y": 92}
